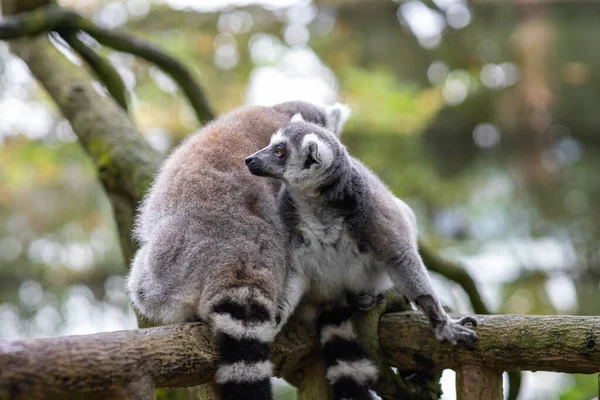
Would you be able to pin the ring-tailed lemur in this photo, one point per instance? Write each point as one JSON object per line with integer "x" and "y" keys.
{"x": 348, "y": 233}
{"x": 213, "y": 246}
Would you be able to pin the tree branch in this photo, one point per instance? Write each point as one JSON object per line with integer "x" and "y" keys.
{"x": 506, "y": 342}
{"x": 103, "y": 69}
{"x": 53, "y": 18}
{"x": 455, "y": 273}
{"x": 124, "y": 160}
{"x": 183, "y": 355}
{"x": 127, "y": 43}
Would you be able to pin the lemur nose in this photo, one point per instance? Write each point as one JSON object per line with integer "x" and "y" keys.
{"x": 249, "y": 160}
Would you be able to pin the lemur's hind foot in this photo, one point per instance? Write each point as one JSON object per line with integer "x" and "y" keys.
{"x": 364, "y": 302}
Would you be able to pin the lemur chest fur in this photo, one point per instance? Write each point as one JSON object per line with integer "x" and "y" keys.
{"x": 330, "y": 260}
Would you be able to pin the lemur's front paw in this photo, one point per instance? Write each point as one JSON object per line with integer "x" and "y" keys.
{"x": 454, "y": 331}
{"x": 365, "y": 302}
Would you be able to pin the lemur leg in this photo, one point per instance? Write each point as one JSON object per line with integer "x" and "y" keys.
{"x": 411, "y": 277}
{"x": 349, "y": 369}
{"x": 364, "y": 301}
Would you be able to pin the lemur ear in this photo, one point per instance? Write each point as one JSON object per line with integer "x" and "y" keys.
{"x": 318, "y": 151}
{"x": 297, "y": 118}
{"x": 313, "y": 155}
{"x": 335, "y": 117}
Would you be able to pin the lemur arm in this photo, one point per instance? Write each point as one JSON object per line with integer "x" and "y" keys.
{"x": 294, "y": 287}
{"x": 410, "y": 276}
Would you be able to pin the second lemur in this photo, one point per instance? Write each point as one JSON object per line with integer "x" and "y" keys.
{"x": 348, "y": 234}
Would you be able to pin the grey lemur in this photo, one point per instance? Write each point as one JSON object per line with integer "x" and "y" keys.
{"x": 213, "y": 246}
{"x": 347, "y": 234}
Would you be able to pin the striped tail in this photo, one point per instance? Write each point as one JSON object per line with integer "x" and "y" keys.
{"x": 244, "y": 330}
{"x": 349, "y": 369}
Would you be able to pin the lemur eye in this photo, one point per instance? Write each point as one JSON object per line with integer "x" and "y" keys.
{"x": 279, "y": 152}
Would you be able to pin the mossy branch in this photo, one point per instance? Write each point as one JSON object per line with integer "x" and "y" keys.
{"x": 103, "y": 69}
{"x": 184, "y": 355}
{"x": 124, "y": 160}
{"x": 55, "y": 18}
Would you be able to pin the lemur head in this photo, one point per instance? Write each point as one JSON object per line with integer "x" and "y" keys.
{"x": 302, "y": 154}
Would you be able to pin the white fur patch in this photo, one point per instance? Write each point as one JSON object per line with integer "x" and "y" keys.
{"x": 361, "y": 371}
{"x": 323, "y": 150}
{"x": 297, "y": 118}
{"x": 278, "y": 137}
{"x": 342, "y": 331}
{"x": 330, "y": 244}
{"x": 242, "y": 371}
{"x": 336, "y": 116}
{"x": 374, "y": 396}
{"x": 238, "y": 329}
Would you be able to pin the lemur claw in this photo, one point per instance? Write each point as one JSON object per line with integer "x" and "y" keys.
{"x": 469, "y": 319}
{"x": 454, "y": 331}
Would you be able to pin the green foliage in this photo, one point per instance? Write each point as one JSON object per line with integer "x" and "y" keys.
{"x": 385, "y": 105}
{"x": 584, "y": 387}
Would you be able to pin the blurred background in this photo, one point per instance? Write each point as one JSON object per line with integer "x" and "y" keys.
{"x": 482, "y": 115}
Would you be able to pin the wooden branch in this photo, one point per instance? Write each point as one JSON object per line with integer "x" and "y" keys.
{"x": 122, "y": 41}
{"x": 53, "y": 18}
{"x": 101, "y": 67}
{"x": 506, "y": 342}
{"x": 173, "y": 356}
{"x": 124, "y": 160}
{"x": 183, "y": 355}
{"x": 43, "y": 19}
{"x": 455, "y": 273}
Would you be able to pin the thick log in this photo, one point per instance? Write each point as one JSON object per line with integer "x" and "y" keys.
{"x": 172, "y": 356}
{"x": 506, "y": 342}
{"x": 183, "y": 355}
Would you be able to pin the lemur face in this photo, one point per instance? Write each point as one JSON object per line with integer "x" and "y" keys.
{"x": 299, "y": 154}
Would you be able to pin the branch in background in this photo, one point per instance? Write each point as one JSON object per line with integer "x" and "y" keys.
{"x": 35, "y": 22}
{"x": 54, "y": 18}
{"x": 127, "y": 43}
{"x": 124, "y": 160}
{"x": 455, "y": 273}
{"x": 103, "y": 69}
